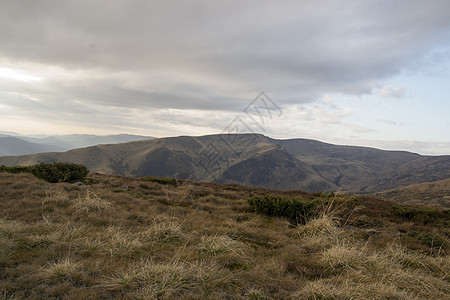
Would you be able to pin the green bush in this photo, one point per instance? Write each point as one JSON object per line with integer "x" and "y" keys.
{"x": 60, "y": 172}
{"x": 15, "y": 169}
{"x": 428, "y": 239}
{"x": 161, "y": 180}
{"x": 52, "y": 172}
{"x": 296, "y": 210}
{"x": 423, "y": 214}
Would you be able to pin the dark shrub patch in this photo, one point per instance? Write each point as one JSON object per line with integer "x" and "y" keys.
{"x": 15, "y": 169}
{"x": 60, "y": 172}
{"x": 52, "y": 172}
{"x": 161, "y": 180}
{"x": 296, "y": 210}
{"x": 428, "y": 239}
{"x": 421, "y": 214}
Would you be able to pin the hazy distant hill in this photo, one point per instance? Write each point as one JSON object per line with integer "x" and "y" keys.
{"x": 73, "y": 141}
{"x": 15, "y": 146}
{"x": 257, "y": 160}
{"x": 435, "y": 193}
{"x": 20, "y": 145}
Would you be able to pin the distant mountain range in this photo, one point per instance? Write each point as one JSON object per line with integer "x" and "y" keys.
{"x": 257, "y": 160}
{"x": 15, "y": 144}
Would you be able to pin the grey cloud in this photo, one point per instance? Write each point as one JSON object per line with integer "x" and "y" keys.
{"x": 391, "y": 92}
{"x": 216, "y": 55}
{"x": 391, "y": 122}
{"x": 229, "y": 36}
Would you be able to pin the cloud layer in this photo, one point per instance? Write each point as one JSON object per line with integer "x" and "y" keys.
{"x": 103, "y": 62}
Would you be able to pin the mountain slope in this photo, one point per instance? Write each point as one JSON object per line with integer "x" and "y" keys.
{"x": 275, "y": 168}
{"x": 435, "y": 193}
{"x": 257, "y": 160}
{"x": 367, "y": 169}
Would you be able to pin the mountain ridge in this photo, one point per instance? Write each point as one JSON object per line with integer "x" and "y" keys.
{"x": 257, "y": 160}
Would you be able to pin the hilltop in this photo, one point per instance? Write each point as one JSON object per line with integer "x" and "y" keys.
{"x": 157, "y": 238}
{"x": 256, "y": 160}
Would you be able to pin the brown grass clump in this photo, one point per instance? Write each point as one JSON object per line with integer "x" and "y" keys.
{"x": 64, "y": 269}
{"x": 91, "y": 202}
{"x": 215, "y": 244}
{"x": 322, "y": 225}
{"x": 344, "y": 289}
{"x": 125, "y": 238}
{"x": 164, "y": 231}
{"x": 151, "y": 280}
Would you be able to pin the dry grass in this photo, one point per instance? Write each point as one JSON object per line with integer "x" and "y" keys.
{"x": 91, "y": 202}
{"x": 123, "y": 238}
{"x": 215, "y": 245}
{"x": 64, "y": 269}
{"x": 322, "y": 225}
{"x": 164, "y": 231}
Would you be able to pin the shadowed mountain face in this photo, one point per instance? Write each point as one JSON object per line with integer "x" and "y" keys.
{"x": 257, "y": 160}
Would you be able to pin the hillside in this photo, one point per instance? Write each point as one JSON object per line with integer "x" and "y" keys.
{"x": 257, "y": 160}
{"x": 134, "y": 238}
{"x": 435, "y": 194}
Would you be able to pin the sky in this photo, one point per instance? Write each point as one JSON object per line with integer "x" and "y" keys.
{"x": 368, "y": 73}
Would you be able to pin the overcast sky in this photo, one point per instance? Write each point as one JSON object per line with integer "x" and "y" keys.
{"x": 373, "y": 73}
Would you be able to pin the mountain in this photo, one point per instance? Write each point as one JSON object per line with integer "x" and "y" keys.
{"x": 15, "y": 144}
{"x": 435, "y": 194}
{"x": 8, "y": 133}
{"x": 257, "y": 160}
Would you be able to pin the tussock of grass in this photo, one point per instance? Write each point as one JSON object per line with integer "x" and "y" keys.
{"x": 215, "y": 245}
{"x": 152, "y": 280}
{"x": 156, "y": 275}
{"x": 119, "y": 242}
{"x": 255, "y": 294}
{"x": 55, "y": 196}
{"x": 164, "y": 231}
{"x": 65, "y": 269}
{"x": 323, "y": 225}
{"x": 8, "y": 228}
{"x": 345, "y": 255}
{"x": 345, "y": 289}
{"x": 91, "y": 202}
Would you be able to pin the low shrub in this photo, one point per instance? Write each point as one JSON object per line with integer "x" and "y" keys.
{"x": 15, "y": 169}
{"x": 423, "y": 214}
{"x": 428, "y": 239}
{"x": 52, "y": 172}
{"x": 296, "y": 210}
{"x": 60, "y": 172}
{"x": 161, "y": 180}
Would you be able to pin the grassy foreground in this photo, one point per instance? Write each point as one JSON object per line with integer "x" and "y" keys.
{"x": 128, "y": 238}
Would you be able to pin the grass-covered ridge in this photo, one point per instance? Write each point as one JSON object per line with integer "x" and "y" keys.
{"x": 126, "y": 238}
